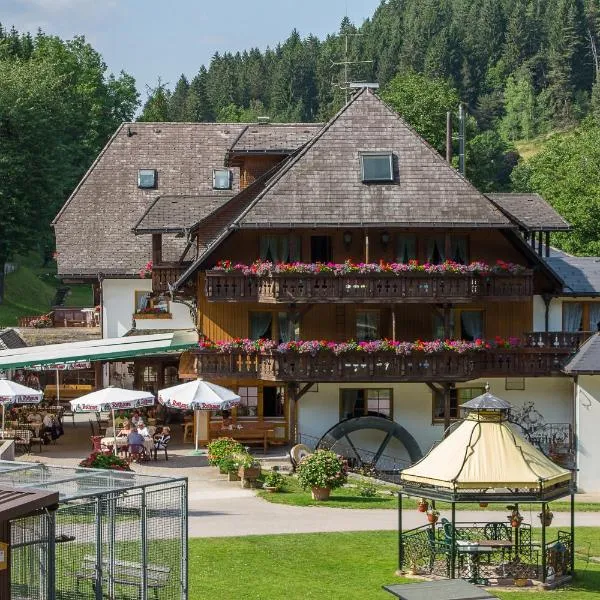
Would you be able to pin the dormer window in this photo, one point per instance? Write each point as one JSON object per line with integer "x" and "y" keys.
{"x": 221, "y": 179}
{"x": 147, "y": 179}
{"x": 376, "y": 167}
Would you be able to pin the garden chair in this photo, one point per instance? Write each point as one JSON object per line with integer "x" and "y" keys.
{"x": 161, "y": 444}
{"x": 136, "y": 453}
{"x": 437, "y": 547}
{"x": 96, "y": 443}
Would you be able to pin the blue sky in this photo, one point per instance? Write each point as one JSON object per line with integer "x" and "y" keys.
{"x": 152, "y": 38}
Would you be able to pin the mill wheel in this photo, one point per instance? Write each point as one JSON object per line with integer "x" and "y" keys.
{"x": 339, "y": 439}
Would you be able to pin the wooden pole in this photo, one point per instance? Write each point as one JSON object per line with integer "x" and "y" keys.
{"x": 547, "y": 244}
{"x": 366, "y": 245}
{"x": 446, "y": 408}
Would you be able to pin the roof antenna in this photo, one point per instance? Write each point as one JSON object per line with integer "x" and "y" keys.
{"x": 346, "y": 84}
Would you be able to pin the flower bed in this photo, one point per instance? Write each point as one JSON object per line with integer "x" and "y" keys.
{"x": 247, "y": 346}
{"x": 99, "y": 460}
{"x": 265, "y": 268}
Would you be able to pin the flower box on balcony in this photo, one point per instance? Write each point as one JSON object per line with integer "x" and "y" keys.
{"x": 150, "y": 315}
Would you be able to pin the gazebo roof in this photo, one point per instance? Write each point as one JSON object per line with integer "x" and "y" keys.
{"x": 483, "y": 454}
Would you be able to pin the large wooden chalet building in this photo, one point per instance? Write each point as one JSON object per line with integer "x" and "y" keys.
{"x": 384, "y": 288}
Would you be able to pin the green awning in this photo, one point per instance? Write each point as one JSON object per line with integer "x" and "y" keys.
{"x": 97, "y": 350}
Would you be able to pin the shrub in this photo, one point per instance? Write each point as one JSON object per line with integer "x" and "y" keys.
{"x": 273, "y": 479}
{"x": 222, "y": 448}
{"x": 244, "y": 459}
{"x": 323, "y": 469}
{"x": 366, "y": 489}
{"x": 98, "y": 460}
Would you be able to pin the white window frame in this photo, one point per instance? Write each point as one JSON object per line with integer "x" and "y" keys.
{"x": 230, "y": 180}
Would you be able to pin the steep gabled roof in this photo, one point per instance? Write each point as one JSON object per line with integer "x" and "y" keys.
{"x": 530, "y": 211}
{"x": 172, "y": 214}
{"x": 94, "y": 229}
{"x": 322, "y": 185}
{"x": 274, "y": 138}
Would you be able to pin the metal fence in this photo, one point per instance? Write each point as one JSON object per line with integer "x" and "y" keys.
{"x": 115, "y": 535}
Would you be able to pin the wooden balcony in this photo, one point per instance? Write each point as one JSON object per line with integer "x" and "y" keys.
{"x": 165, "y": 274}
{"x": 372, "y": 287}
{"x": 382, "y": 367}
{"x": 557, "y": 339}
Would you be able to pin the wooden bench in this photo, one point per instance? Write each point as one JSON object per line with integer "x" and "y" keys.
{"x": 124, "y": 573}
{"x": 249, "y": 433}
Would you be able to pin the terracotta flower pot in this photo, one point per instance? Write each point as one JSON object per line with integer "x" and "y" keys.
{"x": 320, "y": 493}
{"x": 422, "y": 506}
{"x": 250, "y": 473}
{"x": 432, "y": 518}
{"x": 270, "y": 488}
{"x": 515, "y": 523}
{"x": 546, "y": 520}
{"x": 483, "y": 504}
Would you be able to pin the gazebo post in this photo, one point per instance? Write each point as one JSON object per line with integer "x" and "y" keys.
{"x": 400, "y": 540}
{"x": 572, "y": 549}
{"x": 543, "y": 543}
{"x": 453, "y": 542}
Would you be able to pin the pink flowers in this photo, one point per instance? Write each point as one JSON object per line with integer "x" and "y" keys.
{"x": 265, "y": 268}
{"x": 146, "y": 270}
{"x": 314, "y": 347}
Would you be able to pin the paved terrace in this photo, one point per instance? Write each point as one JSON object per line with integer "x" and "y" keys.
{"x": 221, "y": 508}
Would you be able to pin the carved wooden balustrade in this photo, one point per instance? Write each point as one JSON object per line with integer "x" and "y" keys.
{"x": 557, "y": 339}
{"x": 382, "y": 367}
{"x": 165, "y": 274}
{"x": 368, "y": 287}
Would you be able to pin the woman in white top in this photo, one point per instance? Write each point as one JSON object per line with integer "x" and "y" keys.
{"x": 142, "y": 429}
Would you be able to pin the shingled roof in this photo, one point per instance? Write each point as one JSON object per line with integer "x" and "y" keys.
{"x": 172, "y": 214}
{"x": 322, "y": 185}
{"x": 587, "y": 359}
{"x": 530, "y": 211}
{"x": 580, "y": 274}
{"x": 94, "y": 229}
{"x": 274, "y": 138}
{"x": 10, "y": 339}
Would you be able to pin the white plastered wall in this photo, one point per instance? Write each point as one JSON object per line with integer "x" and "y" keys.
{"x": 118, "y": 303}
{"x": 588, "y": 433}
{"x": 319, "y": 410}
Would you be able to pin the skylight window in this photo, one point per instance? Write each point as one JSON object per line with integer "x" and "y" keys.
{"x": 221, "y": 179}
{"x": 376, "y": 166}
{"x": 147, "y": 179}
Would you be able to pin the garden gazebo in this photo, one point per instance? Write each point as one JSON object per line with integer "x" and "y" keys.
{"x": 485, "y": 461}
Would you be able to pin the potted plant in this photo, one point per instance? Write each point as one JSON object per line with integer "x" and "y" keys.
{"x": 423, "y": 505}
{"x": 248, "y": 468}
{"x": 321, "y": 472}
{"x": 433, "y": 515}
{"x": 483, "y": 504}
{"x": 515, "y": 516}
{"x": 546, "y": 517}
{"x": 100, "y": 460}
{"x": 222, "y": 448}
{"x": 273, "y": 481}
{"x": 229, "y": 465}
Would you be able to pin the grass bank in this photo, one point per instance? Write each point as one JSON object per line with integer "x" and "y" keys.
{"x": 352, "y": 566}
{"x": 349, "y": 497}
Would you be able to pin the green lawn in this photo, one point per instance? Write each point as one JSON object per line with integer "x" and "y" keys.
{"x": 30, "y": 290}
{"x": 332, "y": 565}
{"x": 348, "y": 497}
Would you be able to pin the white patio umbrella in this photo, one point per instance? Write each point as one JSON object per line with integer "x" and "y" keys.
{"x": 12, "y": 392}
{"x": 112, "y": 398}
{"x": 198, "y": 395}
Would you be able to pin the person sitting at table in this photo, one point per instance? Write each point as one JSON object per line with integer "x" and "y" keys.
{"x": 142, "y": 429}
{"x": 161, "y": 440}
{"x": 135, "y": 442}
{"x": 51, "y": 428}
{"x": 136, "y": 418}
{"x": 125, "y": 430}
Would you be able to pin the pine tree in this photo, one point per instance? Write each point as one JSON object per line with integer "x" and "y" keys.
{"x": 178, "y": 101}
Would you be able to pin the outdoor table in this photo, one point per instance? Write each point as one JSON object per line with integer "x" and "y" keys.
{"x": 452, "y": 589}
{"x": 121, "y": 441}
{"x": 475, "y": 549}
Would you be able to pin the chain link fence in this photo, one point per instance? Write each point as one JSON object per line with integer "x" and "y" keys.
{"x": 115, "y": 536}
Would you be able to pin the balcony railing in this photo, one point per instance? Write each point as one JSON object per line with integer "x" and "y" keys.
{"x": 557, "y": 339}
{"x": 165, "y": 274}
{"x": 382, "y": 367}
{"x": 369, "y": 287}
